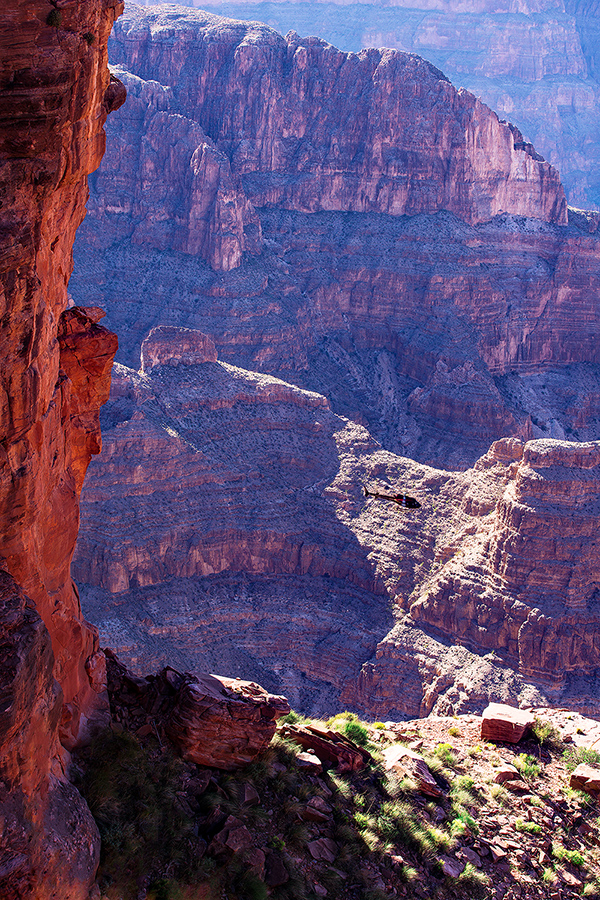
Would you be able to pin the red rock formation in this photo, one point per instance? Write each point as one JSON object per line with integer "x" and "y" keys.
{"x": 527, "y": 582}
{"x": 219, "y": 722}
{"x": 55, "y": 93}
{"x": 186, "y": 198}
{"x": 535, "y": 63}
{"x": 223, "y": 722}
{"x": 174, "y": 346}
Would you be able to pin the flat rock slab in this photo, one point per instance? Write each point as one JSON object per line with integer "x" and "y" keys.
{"x": 323, "y": 848}
{"x": 330, "y": 747}
{"x": 505, "y": 773}
{"x": 505, "y": 723}
{"x": 585, "y": 778}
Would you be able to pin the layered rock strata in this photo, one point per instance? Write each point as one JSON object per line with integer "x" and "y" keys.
{"x": 226, "y": 522}
{"x": 350, "y": 255}
{"x": 55, "y": 94}
{"x": 314, "y": 128}
{"x": 535, "y": 63}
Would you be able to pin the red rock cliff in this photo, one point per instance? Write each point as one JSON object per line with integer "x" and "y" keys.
{"x": 55, "y": 93}
{"x": 422, "y": 326}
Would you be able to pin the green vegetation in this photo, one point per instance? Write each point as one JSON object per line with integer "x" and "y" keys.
{"x": 159, "y": 832}
{"x": 561, "y": 853}
{"x": 528, "y": 827}
{"x": 446, "y": 755}
{"x": 145, "y": 830}
{"x": 576, "y": 756}
{"x": 528, "y": 766}
{"x": 54, "y": 18}
{"x": 547, "y": 735}
{"x": 357, "y": 733}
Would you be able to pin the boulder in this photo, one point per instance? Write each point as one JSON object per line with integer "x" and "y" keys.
{"x": 505, "y": 723}
{"x": 399, "y": 758}
{"x": 329, "y": 746}
{"x": 219, "y": 722}
{"x": 585, "y": 778}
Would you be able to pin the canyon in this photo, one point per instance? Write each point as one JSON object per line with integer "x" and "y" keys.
{"x": 425, "y": 311}
{"x": 271, "y": 367}
{"x": 226, "y": 528}
{"x": 335, "y": 309}
{"x": 534, "y": 61}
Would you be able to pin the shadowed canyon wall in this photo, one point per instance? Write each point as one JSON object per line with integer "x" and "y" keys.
{"x": 55, "y": 94}
{"x": 225, "y": 526}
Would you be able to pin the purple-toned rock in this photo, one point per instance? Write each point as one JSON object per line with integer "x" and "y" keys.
{"x": 170, "y": 346}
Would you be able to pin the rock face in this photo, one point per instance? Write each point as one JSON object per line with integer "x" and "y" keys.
{"x": 307, "y": 127}
{"x": 535, "y": 63}
{"x": 174, "y": 346}
{"x": 219, "y": 722}
{"x": 536, "y": 568}
{"x": 55, "y": 93}
{"x": 259, "y": 554}
{"x": 351, "y": 255}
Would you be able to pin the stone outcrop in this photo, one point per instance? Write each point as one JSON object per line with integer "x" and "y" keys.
{"x": 302, "y": 125}
{"x": 404, "y": 762}
{"x": 213, "y": 721}
{"x": 55, "y": 93}
{"x": 440, "y": 335}
{"x": 172, "y": 346}
{"x": 535, "y": 63}
{"x": 259, "y": 546}
{"x": 330, "y": 747}
{"x": 526, "y": 582}
{"x": 505, "y": 723}
{"x": 585, "y": 778}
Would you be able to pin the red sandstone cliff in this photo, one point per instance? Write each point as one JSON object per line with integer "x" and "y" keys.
{"x": 55, "y": 93}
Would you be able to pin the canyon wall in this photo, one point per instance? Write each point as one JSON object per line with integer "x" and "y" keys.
{"x": 430, "y": 328}
{"x": 55, "y": 93}
{"x": 535, "y": 63}
{"x": 225, "y": 527}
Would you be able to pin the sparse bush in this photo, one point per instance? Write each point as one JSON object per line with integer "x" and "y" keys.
{"x": 446, "y": 755}
{"x": 561, "y": 853}
{"x": 528, "y": 766}
{"x": 454, "y": 731}
{"x": 528, "y": 827}
{"x": 357, "y": 733}
{"x": 576, "y": 756}
{"x": 499, "y": 794}
{"x": 131, "y": 792}
{"x": 474, "y": 882}
{"x": 547, "y": 734}
{"x": 89, "y": 38}
{"x": 54, "y": 19}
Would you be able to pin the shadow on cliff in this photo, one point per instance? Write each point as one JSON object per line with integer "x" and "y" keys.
{"x": 214, "y": 533}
